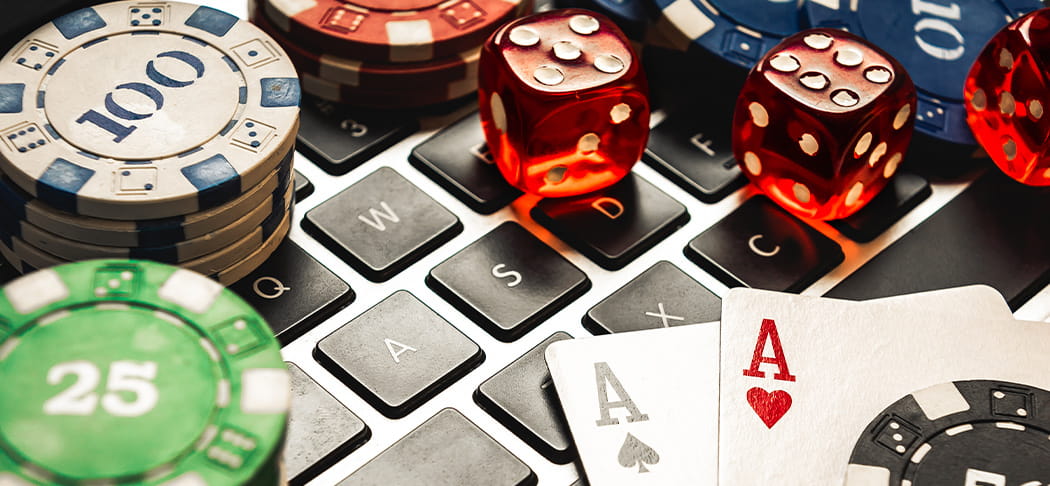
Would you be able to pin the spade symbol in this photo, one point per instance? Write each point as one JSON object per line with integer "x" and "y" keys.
{"x": 634, "y": 452}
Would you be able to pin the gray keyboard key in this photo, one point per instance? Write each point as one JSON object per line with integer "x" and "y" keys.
{"x": 662, "y": 296}
{"x": 381, "y": 224}
{"x": 446, "y": 450}
{"x": 398, "y": 354}
{"x": 321, "y": 430}
{"x": 521, "y": 396}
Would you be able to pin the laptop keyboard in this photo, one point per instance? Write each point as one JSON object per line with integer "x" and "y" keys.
{"x": 417, "y": 291}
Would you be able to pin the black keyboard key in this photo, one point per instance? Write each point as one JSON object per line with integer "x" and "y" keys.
{"x": 303, "y": 187}
{"x": 381, "y": 224}
{"x": 901, "y": 195}
{"x": 508, "y": 281}
{"x": 321, "y": 431}
{"x": 615, "y": 225}
{"x": 760, "y": 245}
{"x": 458, "y": 160}
{"x": 662, "y": 296}
{"x": 522, "y": 397}
{"x": 993, "y": 233}
{"x": 446, "y": 450}
{"x": 398, "y": 354}
{"x": 338, "y": 139}
{"x": 293, "y": 291}
{"x": 696, "y": 152}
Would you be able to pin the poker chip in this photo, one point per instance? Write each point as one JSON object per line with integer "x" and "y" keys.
{"x": 382, "y": 31}
{"x": 182, "y": 251}
{"x": 739, "y": 31}
{"x": 207, "y": 264}
{"x": 936, "y": 44}
{"x": 966, "y": 432}
{"x": 378, "y": 76}
{"x": 133, "y": 111}
{"x": 143, "y": 373}
{"x": 339, "y": 93}
{"x": 145, "y": 233}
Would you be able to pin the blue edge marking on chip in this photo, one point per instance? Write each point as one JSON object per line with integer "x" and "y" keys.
{"x": 936, "y": 43}
{"x": 740, "y": 31}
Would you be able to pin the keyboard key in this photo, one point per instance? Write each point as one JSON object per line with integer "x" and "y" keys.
{"x": 662, "y": 296}
{"x": 522, "y": 397}
{"x": 321, "y": 431}
{"x": 293, "y": 292}
{"x": 303, "y": 187}
{"x": 446, "y": 450}
{"x": 458, "y": 160}
{"x": 615, "y": 225}
{"x": 508, "y": 281}
{"x": 760, "y": 245}
{"x": 901, "y": 195}
{"x": 381, "y": 224}
{"x": 398, "y": 354}
{"x": 339, "y": 139}
{"x": 696, "y": 152}
{"x": 993, "y": 233}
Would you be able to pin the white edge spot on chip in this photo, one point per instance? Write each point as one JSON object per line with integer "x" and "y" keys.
{"x": 958, "y": 429}
{"x": 921, "y": 452}
{"x": 940, "y": 401}
{"x": 8, "y": 479}
{"x": 210, "y": 349}
{"x": 5, "y": 351}
{"x": 194, "y": 292}
{"x": 222, "y": 394}
{"x": 345, "y": 71}
{"x": 113, "y": 306}
{"x": 265, "y": 391}
{"x": 36, "y": 290}
{"x": 410, "y": 40}
{"x": 1010, "y": 426}
{"x": 187, "y": 479}
{"x": 499, "y": 112}
{"x": 689, "y": 19}
{"x": 862, "y": 475}
{"x": 169, "y": 318}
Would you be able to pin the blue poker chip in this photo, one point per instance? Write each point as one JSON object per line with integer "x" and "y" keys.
{"x": 937, "y": 42}
{"x": 630, "y": 15}
{"x": 739, "y": 31}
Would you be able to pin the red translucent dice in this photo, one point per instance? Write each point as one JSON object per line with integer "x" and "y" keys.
{"x": 1007, "y": 94}
{"x": 823, "y": 122}
{"x": 564, "y": 102}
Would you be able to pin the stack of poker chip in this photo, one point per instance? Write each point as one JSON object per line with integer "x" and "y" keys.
{"x": 134, "y": 372}
{"x": 157, "y": 131}
{"x": 383, "y": 54}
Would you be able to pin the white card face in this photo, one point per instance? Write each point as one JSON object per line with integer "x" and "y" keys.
{"x": 976, "y": 300}
{"x": 807, "y": 375}
{"x": 642, "y": 406}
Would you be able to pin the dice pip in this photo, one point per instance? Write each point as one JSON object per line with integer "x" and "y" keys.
{"x": 1007, "y": 94}
{"x": 564, "y": 102}
{"x": 823, "y": 122}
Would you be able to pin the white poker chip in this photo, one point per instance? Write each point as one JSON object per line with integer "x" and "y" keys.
{"x": 144, "y": 110}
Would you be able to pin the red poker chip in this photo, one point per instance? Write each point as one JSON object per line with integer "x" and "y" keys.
{"x": 392, "y": 31}
{"x": 415, "y": 98}
{"x": 368, "y": 75}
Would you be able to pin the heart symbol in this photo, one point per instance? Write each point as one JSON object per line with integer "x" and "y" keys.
{"x": 770, "y": 406}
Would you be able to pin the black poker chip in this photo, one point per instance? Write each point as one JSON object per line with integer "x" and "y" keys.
{"x": 981, "y": 433}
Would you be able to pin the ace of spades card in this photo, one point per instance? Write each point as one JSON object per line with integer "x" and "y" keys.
{"x": 801, "y": 378}
{"x": 641, "y": 406}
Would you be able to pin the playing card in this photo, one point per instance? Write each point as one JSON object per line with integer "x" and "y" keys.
{"x": 673, "y": 372}
{"x": 802, "y": 378}
{"x": 642, "y": 406}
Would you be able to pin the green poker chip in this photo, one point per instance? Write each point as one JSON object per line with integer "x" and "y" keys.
{"x": 120, "y": 372}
